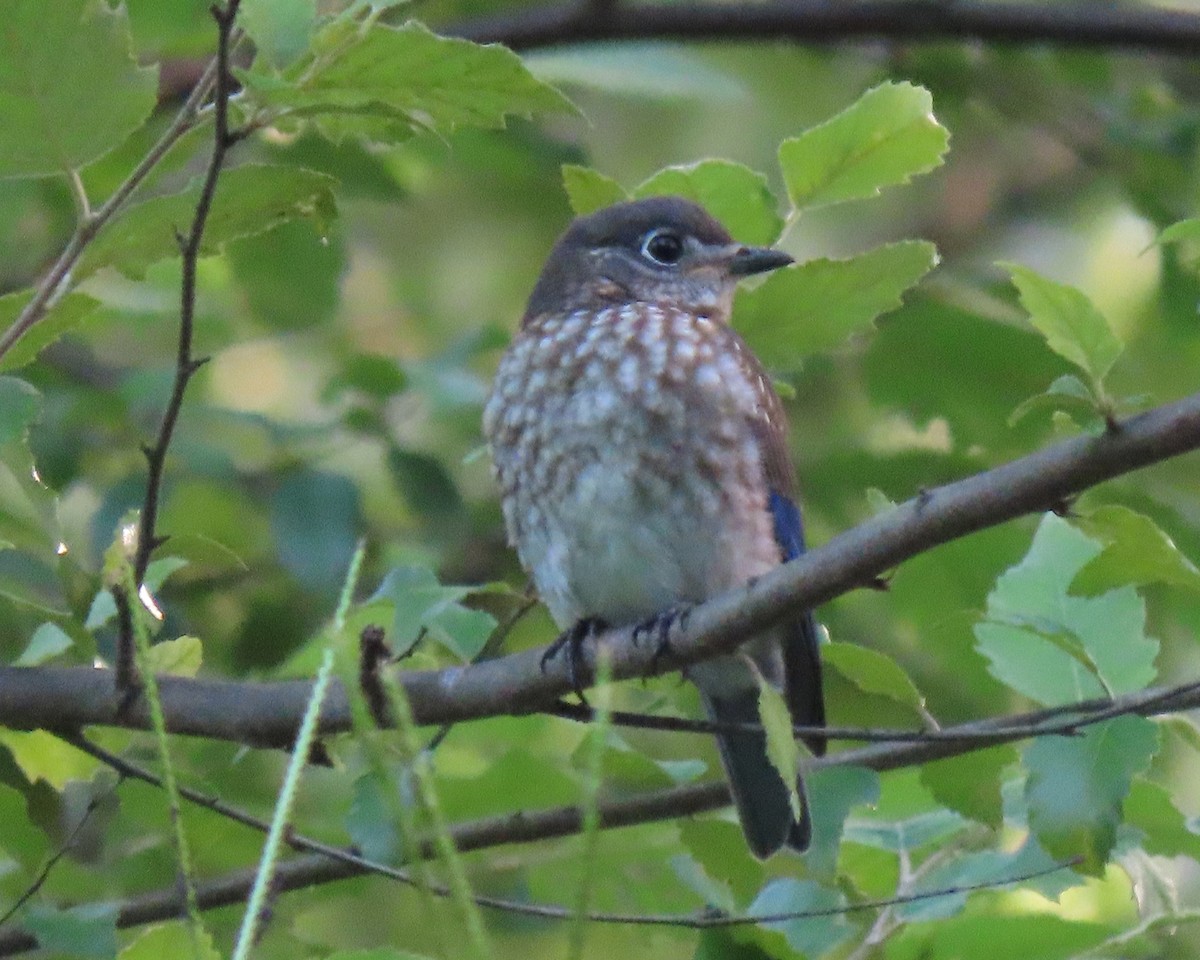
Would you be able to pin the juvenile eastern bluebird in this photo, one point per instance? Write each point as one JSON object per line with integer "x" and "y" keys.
{"x": 642, "y": 458}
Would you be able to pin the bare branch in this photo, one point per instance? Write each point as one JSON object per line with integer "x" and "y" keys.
{"x": 267, "y": 714}
{"x": 1120, "y": 26}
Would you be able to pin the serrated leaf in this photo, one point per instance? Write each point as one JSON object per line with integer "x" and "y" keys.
{"x": 50, "y": 54}
{"x": 1030, "y": 607}
{"x": 1165, "y": 831}
{"x": 421, "y": 603}
{"x": 970, "y": 784}
{"x": 815, "y": 306}
{"x": 66, "y": 314}
{"x": 1137, "y": 551}
{"x": 1077, "y": 784}
{"x": 47, "y": 642}
{"x": 280, "y": 29}
{"x": 589, "y": 190}
{"x": 874, "y": 672}
{"x": 1067, "y": 392}
{"x": 180, "y": 657}
{"x": 888, "y": 136}
{"x": 250, "y": 199}
{"x": 782, "y": 749}
{"x": 1069, "y": 321}
{"x": 386, "y": 83}
{"x": 736, "y": 195}
{"x": 719, "y": 847}
{"x": 20, "y": 404}
{"x": 43, "y": 756}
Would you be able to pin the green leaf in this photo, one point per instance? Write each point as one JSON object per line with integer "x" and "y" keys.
{"x": 1022, "y": 937}
{"x": 1067, "y": 393}
{"x": 171, "y": 939}
{"x": 250, "y": 199}
{"x": 180, "y": 657}
{"x": 736, "y": 195}
{"x": 1137, "y": 551}
{"x": 1165, "y": 831}
{"x": 808, "y": 936}
{"x": 20, "y": 404}
{"x": 874, "y": 672}
{"x": 290, "y": 275}
{"x": 885, "y": 138}
{"x": 86, "y": 931}
{"x": 1185, "y": 231}
{"x": 782, "y": 748}
{"x": 21, "y": 841}
{"x": 280, "y": 29}
{"x": 719, "y": 847}
{"x": 1031, "y": 618}
{"x": 815, "y": 306}
{"x": 377, "y": 953}
{"x": 369, "y": 821}
{"x": 832, "y": 794}
{"x": 316, "y": 554}
{"x": 51, "y": 55}
{"x": 386, "y": 83}
{"x": 43, "y": 756}
{"x": 589, "y": 190}
{"x": 421, "y": 603}
{"x": 1071, "y": 324}
{"x": 103, "y": 607}
{"x": 47, "y": 642}
{"x": 970, "y": 784}
{"x": 66, "y": 314}
{"x": 1076, "y": 786}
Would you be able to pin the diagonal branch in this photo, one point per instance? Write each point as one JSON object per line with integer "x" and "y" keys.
{"x": 1119, "y": 25}
{"x": 267, "y": 714}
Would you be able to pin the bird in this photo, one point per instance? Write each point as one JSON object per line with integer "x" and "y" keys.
{"x": 641, "y": 455}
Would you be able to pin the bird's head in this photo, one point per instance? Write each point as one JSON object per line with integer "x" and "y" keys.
{"x": 661, "y": 249}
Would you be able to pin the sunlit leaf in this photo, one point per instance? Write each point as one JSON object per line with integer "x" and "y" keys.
{"x": 736, "y": 195}
{"x": 814, "y": 306}
{"x": 1137, "y": 551}
{"x": 180, "y": 657}
{"x": 1069, "y": 321}
{"x": 888, "y": 136}
{"x": 874, "y": 672}
{"x": 47, "y": 642}
{"x": 68, "y": 313}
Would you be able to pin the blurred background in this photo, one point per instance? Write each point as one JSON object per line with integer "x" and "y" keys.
{"x": 350, "y": 360}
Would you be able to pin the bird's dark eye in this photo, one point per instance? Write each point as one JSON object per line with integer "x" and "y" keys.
{"x": 663, "y": 247}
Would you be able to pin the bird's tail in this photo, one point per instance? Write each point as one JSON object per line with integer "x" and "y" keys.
{"x": 759, "y": 793}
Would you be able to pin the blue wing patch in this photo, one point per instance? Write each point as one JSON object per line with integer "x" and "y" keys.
{"x": 789, "y": 531}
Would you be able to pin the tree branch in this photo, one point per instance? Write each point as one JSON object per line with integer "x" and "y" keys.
{"x": 267, "y": 714}
{"x": 820, "y": 22}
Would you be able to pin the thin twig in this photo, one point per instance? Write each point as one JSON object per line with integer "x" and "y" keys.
{"x": 185, "y": 365}
{"x": 357, "y": 865}
{"x": 1119, "y": 26}
{"x": 66, "y": 847}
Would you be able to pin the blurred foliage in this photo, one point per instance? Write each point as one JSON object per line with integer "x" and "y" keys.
{"x": 369, "y": 254}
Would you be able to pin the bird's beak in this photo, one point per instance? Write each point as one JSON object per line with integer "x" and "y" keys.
{"x": 748, "y": 260}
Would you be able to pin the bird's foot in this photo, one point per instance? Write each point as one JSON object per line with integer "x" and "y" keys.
{"x": 659, "y": 628}
{"x": 572, "y": 640}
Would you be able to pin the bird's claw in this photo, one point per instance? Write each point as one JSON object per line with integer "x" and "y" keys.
{"x": 659, "y": 627}
{"x": 572, "y": 640}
